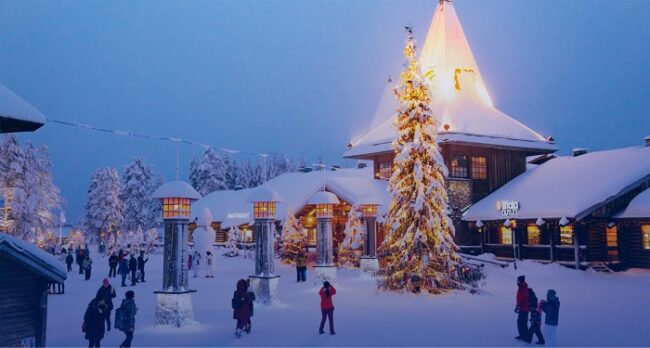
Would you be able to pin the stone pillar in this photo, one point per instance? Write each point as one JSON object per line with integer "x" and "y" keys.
{"x": 264, "y": 283}
{"x": 325, "y": 268}
{"x": 174, "y": 302}
{"x": 369, "y": 261}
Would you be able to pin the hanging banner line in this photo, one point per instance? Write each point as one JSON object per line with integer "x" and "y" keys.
{"x": 156, "y": 137}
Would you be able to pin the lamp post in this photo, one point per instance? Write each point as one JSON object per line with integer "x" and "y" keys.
{"x": 369, "y": 261}
{"x": 264, "y": 282}
{"x": 324, "y": 202}
{"x": 174, "y": 306}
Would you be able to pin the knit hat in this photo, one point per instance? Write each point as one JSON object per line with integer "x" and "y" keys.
{"x": 551, "y": 294}
{"x": 521, "y": 278}
{"x": 105, "y": 281}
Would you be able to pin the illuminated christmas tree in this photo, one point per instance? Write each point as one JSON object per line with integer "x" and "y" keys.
{"x": 350, "y": 248}
{"x": 419, "y": 252}
{"x": 293, "y": 239}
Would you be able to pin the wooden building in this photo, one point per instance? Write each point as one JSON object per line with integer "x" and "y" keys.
{"x": 25, "y": 271}
{"x": 633, "y": 224}
{"x": 567, "y": 210}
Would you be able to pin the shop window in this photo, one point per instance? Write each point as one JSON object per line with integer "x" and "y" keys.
{"x": 385, "y": 170}
{"x": 458, "y": 166}
{"x": 645, "y": 232}
{"x": 479, "y": 167}
{"x": 505, "y": 235}
{"x": 566, "y": 235}
{"x": 533, "y": 234}
{"x": 311, "y": 236}
{"x": 612, "y": 236}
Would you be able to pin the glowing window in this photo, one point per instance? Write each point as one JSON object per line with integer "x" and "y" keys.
{"x": 505, "y": 235}
{"x": 533, "y": 234}
{"x": 458, "y": 166}
{"x": 385, "y": 170}
{"x": 645, "y": 232}
{"x": 479, "y": 167}
{"x": 174, "y": 207}
{"x": 264, "y": 210}
{"x": 612, "y": 236}
{"x": 566, "y": 235}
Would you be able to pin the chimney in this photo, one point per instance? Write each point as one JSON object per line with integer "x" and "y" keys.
{"x": 646, "y": 141}
{"x": 578, "y": 151}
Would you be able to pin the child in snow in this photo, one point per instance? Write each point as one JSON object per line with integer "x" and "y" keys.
{"x": 93, "y": 324}
{"x": 535, "y": 319}
{"x": 125, "y": 317}
{"x": 87, "y": 265}
{"x": 552, "y": 309}
{"x": 209, "y": 261}
{"x": 241, "y": 305}
{"x": 327, "y": 307}
{"x": 197, "y": 263}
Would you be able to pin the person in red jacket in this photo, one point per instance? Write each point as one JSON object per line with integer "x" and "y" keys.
{"x": 242, "y": 304}
{"x": 327, "y": 307}
{"x": 522, "y": 308}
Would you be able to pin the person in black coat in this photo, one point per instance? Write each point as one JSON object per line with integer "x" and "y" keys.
{"x": 133, "y": 267}
{"x": 112, "y": 266}
{"x": 68, "y": 261}
{"x": 93, "y": 324}
{"x": 108, "y": 294}
{"x": 141, "y": 262}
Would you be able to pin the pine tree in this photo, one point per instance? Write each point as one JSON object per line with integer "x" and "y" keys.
{"x": 211, "y": 173}
{"x": 234, "y": 238}
{"x": 194, "y": 176}
{"x": 245, "y": 175}
{"x": 231, "y": 172}
{"x": 293, "y": 239}
{"x": 138, "y": 185}
{"x": 419, "y": 251}
{"x": 104, "y": 208}
{"x": 349, "y": 250}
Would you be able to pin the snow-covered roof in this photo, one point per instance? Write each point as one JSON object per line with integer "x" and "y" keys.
{"x": 264, "y": 194}
{"x": 324, "y": 197}
{"x": 460, "y": 99}
{"x": 639, "y": 207}
{"x": 176, "y": 189}
{"x": 231, "y": 208}
{"x": 571, "y": 187}
{"x": 45, "y": 264}
{"x": 16, "y": 115}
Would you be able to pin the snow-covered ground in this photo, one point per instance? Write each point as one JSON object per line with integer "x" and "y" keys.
{"x": 596, "y": 310}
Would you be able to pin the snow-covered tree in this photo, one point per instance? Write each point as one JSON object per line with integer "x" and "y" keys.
{"x": 152, "y": 239}
{"x": 104, "y": 208}
{"x": 76, "y": 238}
{"x": 211, "y": 173}
{"x": 234, "y": 238}
{"x": 419, "y": 252}
{"x": 231, "y": 172}
{"x": 350, "y": 248}
{"x": 293, "y": 239}
{"x": 261, "y": 172}
{"x": 245, "y": 177}
{"x": 138, "y": 184}
{"x": 194, "y": 176}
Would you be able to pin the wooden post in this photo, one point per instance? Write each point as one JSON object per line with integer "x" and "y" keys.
{"x": 551, "y": 242}
{"x": 576, "y": 248}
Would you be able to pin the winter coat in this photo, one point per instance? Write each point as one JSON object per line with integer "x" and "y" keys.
{"x": 552, "y": 309}
{"x": 196, "y": 259}
{"x": 69, "y": 259}
{"x": 242, "y": 303}
{"x": 301, "y": 260}
{"x": 87, "y": 264}
{"x": 251, "y": 296}
{"x": 209, "y": 259}
{"x": 129, "y": 310}
{"x": 326, "y": 301}
{"x": 133, "y": 264}
{"x": 108, "y": 294}
{"x": 522, "y": 297}
{"x": 112, "y": 260}
{"x": 94, "y": 320}
{"x": 123, "y": 267}
{"x": 141, "y": 262}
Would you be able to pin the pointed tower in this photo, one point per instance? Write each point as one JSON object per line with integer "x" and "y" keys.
{"x": 482, "y": 147}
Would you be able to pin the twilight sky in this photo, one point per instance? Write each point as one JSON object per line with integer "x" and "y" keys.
{"x": 303, "y": 77}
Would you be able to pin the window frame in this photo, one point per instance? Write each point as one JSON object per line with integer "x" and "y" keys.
{"x": 479, "y": 172}
{"x": 505, "y": 236}
{"x": 456, "y": 171}
{"x": 645, "y": 236}
{"x": 564, "y": 231}
{"x": 536, "y": 230}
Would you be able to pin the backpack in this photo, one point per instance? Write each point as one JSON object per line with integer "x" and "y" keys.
{"x": 119, "y": 319}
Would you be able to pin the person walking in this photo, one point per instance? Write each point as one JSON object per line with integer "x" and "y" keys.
{"x": 63, "y": 255}
{"x": 68, "y": 261}
{"x": 327, "y": 307}
{"x": 93, "y": 324}
{"x": 112, "y": 265}
{"x": 197, "y": 263}
{"x": 535, "y": 319}
{"x": 522, "y": 307}
{"x": 125, "y": 317}
{"x": 79, "y": 258}
{"x": 551, "y": 308}
{"x": 123, "y": 270}
{"x": 87, "y": 266}
{"x": 141, "y": 262}
{"x": 251, "y": 296}
{"x": 241, "y": 305}
{"x": 133, "y": 267}
{"x": 301, "y": 266}
{"x": 209, "y": 260}
{"x": 108, "y": 294}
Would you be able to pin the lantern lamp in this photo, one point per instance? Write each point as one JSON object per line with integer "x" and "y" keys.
{"x": 324, "y": 202}
{"x": 369, "y": 205}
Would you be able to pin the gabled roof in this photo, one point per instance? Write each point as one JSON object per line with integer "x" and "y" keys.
{"x": 351, "y": 185}
{"x": 571, "y": 187}
{"x": 16, "y": 115}
{"x": 639, "y": 207}
{"x": 33, "y": 257}
{"x": 460, "y": 99}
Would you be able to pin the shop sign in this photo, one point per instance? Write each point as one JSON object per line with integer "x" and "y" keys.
{"x": 238, "y": 215}
{"x": 508, "y": 207}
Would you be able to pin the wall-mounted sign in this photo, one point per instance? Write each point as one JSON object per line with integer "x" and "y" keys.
{"x": 508, "y": 207}
{"x": 238, "y": 216}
